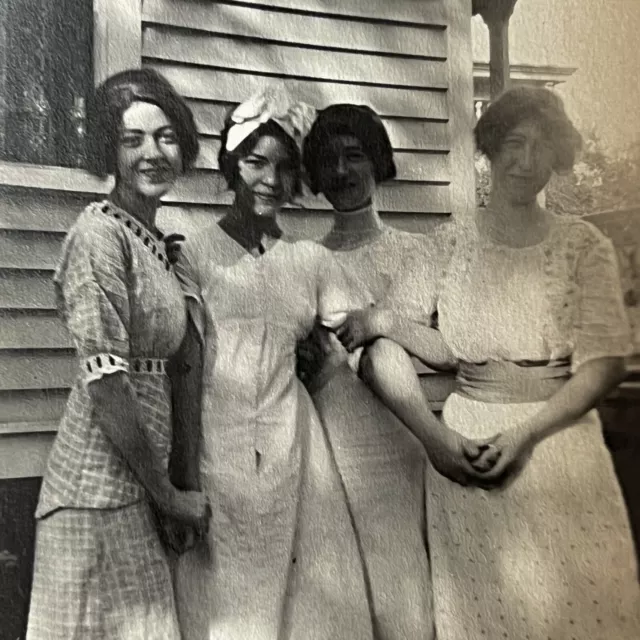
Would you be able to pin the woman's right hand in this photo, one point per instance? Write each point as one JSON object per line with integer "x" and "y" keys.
{"x": 190, "y": 508}
{"x": 453, "y": 456}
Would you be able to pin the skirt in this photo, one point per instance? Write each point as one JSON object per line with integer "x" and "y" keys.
{"x": 101, "y": 574}
{"x": 549, "y": 557}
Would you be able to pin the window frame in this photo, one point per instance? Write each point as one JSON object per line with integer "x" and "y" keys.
{"x": 117, "y": 45}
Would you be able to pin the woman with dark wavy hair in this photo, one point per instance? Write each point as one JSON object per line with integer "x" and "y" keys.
{"x": 531, "y": 306}
{"x": 101, "y": 570}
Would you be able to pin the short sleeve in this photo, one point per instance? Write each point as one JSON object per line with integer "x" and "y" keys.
{"x": 602, "y": 326}
{"x": 416, "y": 283}
{"x": 91, "y": 287}
{"x": 336, "y": 295}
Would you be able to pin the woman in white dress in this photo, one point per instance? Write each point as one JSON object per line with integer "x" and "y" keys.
{"x": 531, "y": 306}
{"x": 281, "y": 558}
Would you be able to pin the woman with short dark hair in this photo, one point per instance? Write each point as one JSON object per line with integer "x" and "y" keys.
{"x": 100, "y": 568}
{"x": 531, "y": 306}
{"x": 382, "y": 462}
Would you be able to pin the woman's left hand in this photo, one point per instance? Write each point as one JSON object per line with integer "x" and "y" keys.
{"x": 362, "y": 326}
{"x": 505, "y": 457}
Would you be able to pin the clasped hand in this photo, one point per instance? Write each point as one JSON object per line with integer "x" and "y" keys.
{"x": 498, "y": 460}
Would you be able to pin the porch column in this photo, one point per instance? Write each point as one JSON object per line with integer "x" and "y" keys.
{"x": 496, "y": 14}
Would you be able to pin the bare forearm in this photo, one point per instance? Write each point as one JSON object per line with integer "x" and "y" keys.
{"x": 186, "y": 385}
{"x": 116, "y": 404}
{"x": 420, "y": 340}
{"x": 388, "y": 370}
{"x": 591, "y": 382}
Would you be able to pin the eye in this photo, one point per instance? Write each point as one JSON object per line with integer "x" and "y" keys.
{"x": 168, "y": 136}
{"x": 130, "y": 140}
{"x": 512, "y": 143}
{"x": 255, "y": 162}
{"x": 356, "y": 156}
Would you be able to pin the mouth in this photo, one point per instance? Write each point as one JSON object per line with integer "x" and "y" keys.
{"x": 269, "y": 198}
{"x": 156, "y": 175}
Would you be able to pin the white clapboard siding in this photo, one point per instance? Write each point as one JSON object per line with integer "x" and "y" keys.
{"x": 32, "y": 405}
{"x": 327, "y": 31}
{"x": 37, "y": 369}
{"x": 405, "y": 134}
{"x": 29, "y": 249}
{"x": 243, "y": 54}
{"x": 234, "y": 86}
{"x": 412, "y": 166}
{"x": 27, "y": 290}
{"x": 423, "y": 12}
{"x": 39, "y": 211}
{"x": 33, "y": 330}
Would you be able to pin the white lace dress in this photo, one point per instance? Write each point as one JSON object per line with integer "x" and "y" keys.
{"x": 551, "y": 557}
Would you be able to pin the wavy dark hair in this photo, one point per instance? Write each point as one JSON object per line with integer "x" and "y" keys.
{"x": 526, "y": 103}
{"x": 359, "y": 121}
{"x": 228, "y": 160}
{"x": 114, "y": 96}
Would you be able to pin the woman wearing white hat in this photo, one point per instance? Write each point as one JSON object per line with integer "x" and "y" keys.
{"x": 281, "y": 559}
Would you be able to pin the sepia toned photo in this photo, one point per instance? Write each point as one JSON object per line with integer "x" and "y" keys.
{"x": 319, "y": 320}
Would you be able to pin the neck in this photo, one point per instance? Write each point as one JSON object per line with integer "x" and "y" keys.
{"x": 362, "y": 220}
{"x": 136, "y": 205}
{"x": 248, "y": 229}
{"x": 514, "y": 220}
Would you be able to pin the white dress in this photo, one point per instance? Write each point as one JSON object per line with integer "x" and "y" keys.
{"x": 550, "y": 557}
{"x": 281, "y": 559}
{"x": 381, "y": 463}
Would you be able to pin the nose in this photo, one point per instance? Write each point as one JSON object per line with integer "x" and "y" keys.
{"x": 526, "y": 157}
{"x": 151, "y": 148}
{"x": 271, "y": 176}
{"x": 341, "y": 166}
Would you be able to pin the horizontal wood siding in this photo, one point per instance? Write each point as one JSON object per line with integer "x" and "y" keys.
{"x": 398, "y": 57}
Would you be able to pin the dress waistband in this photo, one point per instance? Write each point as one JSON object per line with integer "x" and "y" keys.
{"x": 506, "y": 382}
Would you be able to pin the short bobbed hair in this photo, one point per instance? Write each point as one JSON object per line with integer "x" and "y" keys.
{"x": 228, "y": 160}
{"x": 358, "y": 121}
{"x": 114, "y": 96}
{"x": 529, "y": 103}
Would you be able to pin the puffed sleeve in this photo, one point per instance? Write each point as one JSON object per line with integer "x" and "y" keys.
{"x": 423, "y": 260}
{"x": 91, "y": 288}
{"x": 602, "y": 326}
{"x": 336, "y": 294}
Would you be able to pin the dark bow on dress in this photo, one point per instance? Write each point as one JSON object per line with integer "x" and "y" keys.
{"x": 172, "y": 244}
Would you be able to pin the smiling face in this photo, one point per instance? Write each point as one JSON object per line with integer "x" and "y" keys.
{"x": 524, "y": 164}
{"x": 149, "y": 156}
{"x": 346, "y": 174}
{"x": 266, "y": 177}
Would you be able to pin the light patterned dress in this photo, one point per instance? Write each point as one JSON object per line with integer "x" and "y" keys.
{"x": 281, "y": 559}
{"x": 100, "y": 570}
{"x": 550, "y": 557}
{"x": 381, "y": 463}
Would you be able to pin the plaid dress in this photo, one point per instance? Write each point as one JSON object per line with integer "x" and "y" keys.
{"x": 100, "y": 570}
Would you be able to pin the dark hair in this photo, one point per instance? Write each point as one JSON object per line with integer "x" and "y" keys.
{"x": 524, "y": 103}
{"x": 114, "y": 96}
{"x": 359, "y": 121}
{"x": 228, "y": 160}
